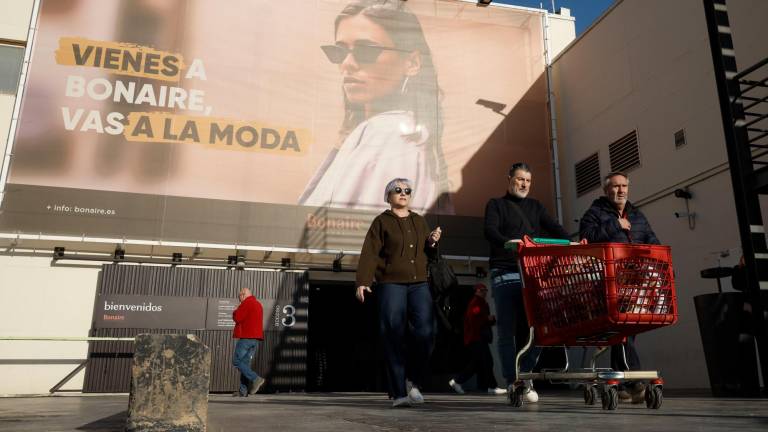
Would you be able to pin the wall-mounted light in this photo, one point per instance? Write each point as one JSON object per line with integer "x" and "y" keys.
{"x": 237, "y": 261}
{"x": 683, "y": 193}
{"x": 484, "y": 2}
{"x": 119, "y": 254}
{"x": 58, "y": 252}
{"x": 337, "y": 265}
{"x": 176, "y": 257}
{"x": 285, "y": 262}
{"x": 480, "y": 272}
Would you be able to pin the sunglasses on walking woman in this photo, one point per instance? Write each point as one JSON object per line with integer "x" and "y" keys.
{"x": 363, "y": 54}
{"x": 398, "y": 190}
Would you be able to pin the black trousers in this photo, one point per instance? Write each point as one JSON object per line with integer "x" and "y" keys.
{"x": 617, "y": 361}
{"x": 480, "y": 363}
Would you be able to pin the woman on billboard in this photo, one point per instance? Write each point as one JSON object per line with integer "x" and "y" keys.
{"x": 395, "y": 253}
{"x": 393, "y": 117}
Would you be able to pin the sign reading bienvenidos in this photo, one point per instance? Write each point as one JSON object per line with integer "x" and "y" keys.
{"x": 155, "y": 312}
{"x": 190, "y": 313}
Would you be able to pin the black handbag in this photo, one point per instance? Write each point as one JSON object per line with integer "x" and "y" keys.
{"x": 442, "y": 279}
{"x": 442, "y": 284}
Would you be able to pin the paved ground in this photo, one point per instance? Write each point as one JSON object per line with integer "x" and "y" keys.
{"x": 351, "y": 412}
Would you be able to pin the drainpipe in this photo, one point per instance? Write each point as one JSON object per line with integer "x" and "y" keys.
{"x": 553, "y": 122}
{"x": 6, "y": 158}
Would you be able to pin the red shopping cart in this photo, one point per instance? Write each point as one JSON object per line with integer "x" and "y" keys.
{"x": 598, "y": 294}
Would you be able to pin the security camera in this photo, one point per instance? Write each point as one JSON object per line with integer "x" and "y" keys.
{"x": 682, "y": 193}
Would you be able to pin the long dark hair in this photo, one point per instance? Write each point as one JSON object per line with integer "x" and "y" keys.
{"x": 422, "y": 96}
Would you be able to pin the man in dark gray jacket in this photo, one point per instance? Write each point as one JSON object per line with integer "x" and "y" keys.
{"x": 613, "y": 219}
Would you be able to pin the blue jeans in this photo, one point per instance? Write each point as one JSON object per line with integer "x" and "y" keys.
{"x": 511, "y": 323}
{"x": 405, "y": 307}
{"x": 245, "y": 349}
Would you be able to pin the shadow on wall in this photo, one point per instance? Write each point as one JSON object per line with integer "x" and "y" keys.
{"x": 521, "y": 136}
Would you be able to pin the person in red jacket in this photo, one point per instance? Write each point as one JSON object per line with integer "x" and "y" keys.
{"x": 249, "y": 332}
{"x": 477, "y": 335}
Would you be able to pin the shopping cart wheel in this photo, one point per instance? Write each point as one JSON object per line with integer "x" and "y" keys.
{"x": 590, "y": 394}
{"x": 610, "y": 398}
{"x": 653, "y": 397}
{"x": 516, "y": 397}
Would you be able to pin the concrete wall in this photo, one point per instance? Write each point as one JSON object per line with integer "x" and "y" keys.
{"x": 14, "y": 21}
{"x": 41, "y": 301}
{"x": 646, "y": 66}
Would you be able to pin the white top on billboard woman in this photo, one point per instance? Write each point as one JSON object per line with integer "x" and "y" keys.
{"x": 393, "y": 117}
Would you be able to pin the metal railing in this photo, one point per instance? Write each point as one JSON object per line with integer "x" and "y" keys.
{"x": 752, "y": 96}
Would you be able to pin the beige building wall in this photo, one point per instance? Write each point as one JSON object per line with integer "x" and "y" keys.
{"x": 38, "y": 300}
{"x": 562, "y": 31}
{"x": 646, "y": 66}
{"x": 14, "y": 21}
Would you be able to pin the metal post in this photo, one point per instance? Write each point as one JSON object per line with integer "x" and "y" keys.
{"x": 746, "y": 199}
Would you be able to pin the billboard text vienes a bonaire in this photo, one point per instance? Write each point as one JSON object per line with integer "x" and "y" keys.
{"x": 159, "y": 127}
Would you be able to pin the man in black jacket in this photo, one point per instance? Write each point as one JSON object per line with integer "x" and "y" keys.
{"x": 508, "y": 219}
{"x": 612, "y": 218}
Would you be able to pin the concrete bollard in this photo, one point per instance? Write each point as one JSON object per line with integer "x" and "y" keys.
{"x": 170, "y": 378}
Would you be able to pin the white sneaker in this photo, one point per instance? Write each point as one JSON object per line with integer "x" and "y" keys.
{"x": 415, "y": 396}
{"x": 530, "y": 395}
{"x": 497, "y": 391}
{"x": 456, "y": 386}
{"x": 403, "y": 402}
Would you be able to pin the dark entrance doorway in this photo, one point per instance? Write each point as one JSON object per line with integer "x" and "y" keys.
{"x": 343, "y": 351}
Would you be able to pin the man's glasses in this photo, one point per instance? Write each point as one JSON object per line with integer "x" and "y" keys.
{"x": 398, "y": 190}
{"x": 363, "y": 54}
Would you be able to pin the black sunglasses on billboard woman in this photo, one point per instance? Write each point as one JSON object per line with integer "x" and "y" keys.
{"x": 398, "y": 190}
{"x": 363, "y": 54}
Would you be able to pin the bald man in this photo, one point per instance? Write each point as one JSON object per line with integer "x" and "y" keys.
{"x": 249, "y": 332}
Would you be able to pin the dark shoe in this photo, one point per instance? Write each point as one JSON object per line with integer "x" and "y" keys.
{"x": 624, "y": 396}
{"x": 256, "y": 385}
{"x": 638, "y": 393}
{"x": 456, "y": 386}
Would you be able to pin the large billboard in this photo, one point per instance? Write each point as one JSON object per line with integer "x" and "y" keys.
{"x": 260, "y": 122}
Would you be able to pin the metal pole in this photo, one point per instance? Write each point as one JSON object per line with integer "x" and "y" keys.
{"x": 746, "y": 199}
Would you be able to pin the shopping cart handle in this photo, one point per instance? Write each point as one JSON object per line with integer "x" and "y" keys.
{"x": 554, "y": 241}
{"x": 528, "y": 241}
